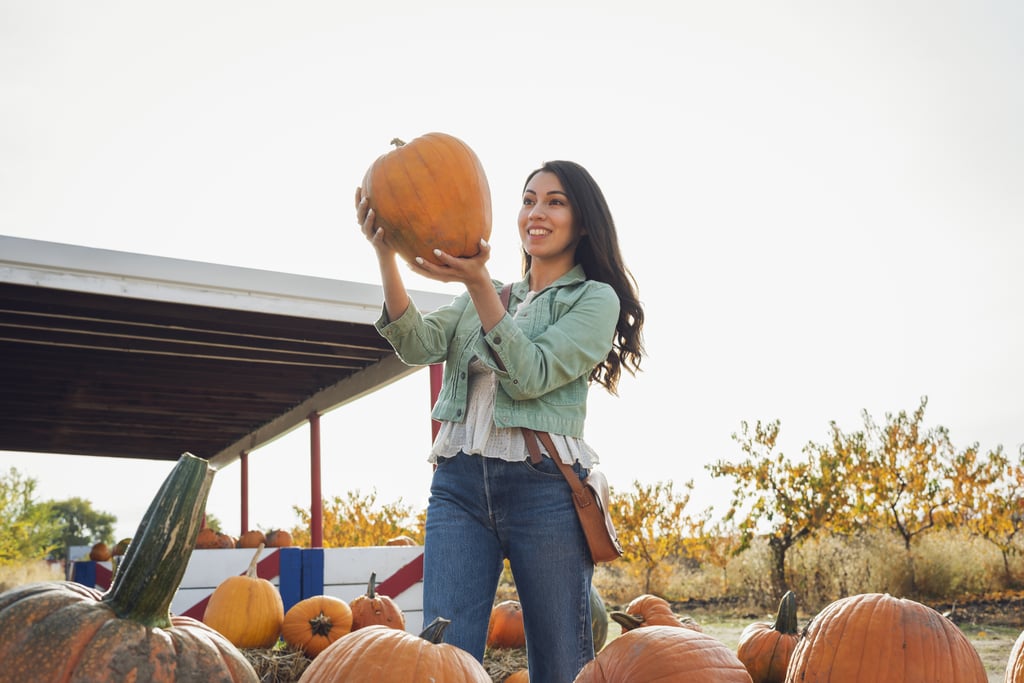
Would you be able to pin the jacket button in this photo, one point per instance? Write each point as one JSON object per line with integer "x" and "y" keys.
{"x": 497, "y": 340}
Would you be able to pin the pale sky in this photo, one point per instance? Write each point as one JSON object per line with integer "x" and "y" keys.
{"x": 823, "y": 202}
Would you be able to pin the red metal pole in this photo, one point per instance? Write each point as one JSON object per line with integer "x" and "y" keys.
{"x": 316, "y": 507}
{"x": 436, "y": 375}
{"x": 244, "y": 458}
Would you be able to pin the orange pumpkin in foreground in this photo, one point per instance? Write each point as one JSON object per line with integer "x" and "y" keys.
{"x": 765, "y": 649}
{"x": 664, "y": 653}
{"x": 429, "y": 194}
{"x": 63, "y": 631}
{"x": 386, "y": 655}
{"x": 884, "y": 640}
{"x": 312, "y": 624}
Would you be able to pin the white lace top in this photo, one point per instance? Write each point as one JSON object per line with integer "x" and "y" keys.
{"x": 478, "y": 435}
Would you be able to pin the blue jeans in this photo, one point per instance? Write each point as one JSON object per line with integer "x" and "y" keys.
{"x": 483, "y": 510}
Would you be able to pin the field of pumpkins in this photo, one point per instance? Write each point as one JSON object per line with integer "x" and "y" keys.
{"x": 65, "y": 631}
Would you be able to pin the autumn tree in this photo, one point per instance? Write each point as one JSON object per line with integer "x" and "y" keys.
{"x": 357, "y": 519}
{"x": 714, "y": 542}
{"x": 26, "y": 530}
{"x": 784, "y": 500}
{"x": 989, "y": 492}
{"x": 906, "y": 483}
{"x": 652, "y": 527}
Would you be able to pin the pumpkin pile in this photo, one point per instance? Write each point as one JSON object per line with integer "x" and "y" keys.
{"x": 429, "y": 194}
{"x": 64, "y": 631}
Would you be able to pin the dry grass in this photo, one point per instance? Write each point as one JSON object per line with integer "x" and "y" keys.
{"x": 277, "y": 664}
{"x": 13, "y": 575}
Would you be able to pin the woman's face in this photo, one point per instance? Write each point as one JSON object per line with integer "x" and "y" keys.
{"x": 546, "y": 225}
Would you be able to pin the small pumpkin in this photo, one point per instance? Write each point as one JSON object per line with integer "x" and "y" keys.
{"x": 121, "y": 548}
{"x": 207, "y": 539}
{"x": 650, "y": 610}
{"x": 314, "y": 623}
{"x": 386, "y": 655}
{"x": 505, "y": 627}
{"x": 401, "y": 540}
{"x": 246, "y": 609}
{"x": 252, "y": 539}
{"x": 884, "y": 640}
{"x": 665, "y": 653}
{"x": 429, "y": 194}
{"x": 279, "y": 538}
{"x": 766, "y": 648}
{"x": 64, "y": 631}
{"x": 372, "y": 608}
{"x": 100, "y": 552}
{"x": 521, "y": 676}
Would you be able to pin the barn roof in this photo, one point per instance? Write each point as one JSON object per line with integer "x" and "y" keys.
{"x": 108, "y": 353}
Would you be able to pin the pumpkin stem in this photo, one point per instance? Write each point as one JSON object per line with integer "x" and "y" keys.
{"x": 321, "y": 624}
{"x": 785, "y": 621}
{"x": 371, "y": 587}
{"x": 156, "y": 559}
{"x": 626, "y": 620}
{"x": 397, "y": 142}
{"x": 251, "y": 571}
{"x": 434, "y": 632}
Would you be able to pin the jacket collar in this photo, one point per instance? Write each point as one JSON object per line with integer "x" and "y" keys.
{"x": 574, "y": 276}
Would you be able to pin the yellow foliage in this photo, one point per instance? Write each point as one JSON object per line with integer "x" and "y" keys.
{"x": 358, "y": 520}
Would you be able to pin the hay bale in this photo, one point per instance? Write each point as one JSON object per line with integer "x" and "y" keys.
{"x": 279, "y": 664}
{"x": 502, "y": 662}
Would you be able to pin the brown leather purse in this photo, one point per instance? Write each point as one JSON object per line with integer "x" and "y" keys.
{"x": 591, "y": 496}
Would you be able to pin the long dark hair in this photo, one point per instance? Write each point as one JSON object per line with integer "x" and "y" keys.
{"x": 598, "y": 252}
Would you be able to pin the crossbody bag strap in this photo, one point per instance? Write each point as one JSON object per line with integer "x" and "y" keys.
{"x": 531, "y": 437}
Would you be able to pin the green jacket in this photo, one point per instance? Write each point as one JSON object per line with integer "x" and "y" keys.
{"x": 546, "y": 353}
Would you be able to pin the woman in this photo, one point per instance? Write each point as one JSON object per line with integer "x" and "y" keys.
{"x": 573, "y": 319}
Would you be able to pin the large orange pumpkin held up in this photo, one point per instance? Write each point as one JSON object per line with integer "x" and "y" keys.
{"x": 64, "y": 631}
{"x": 429, "y": 194}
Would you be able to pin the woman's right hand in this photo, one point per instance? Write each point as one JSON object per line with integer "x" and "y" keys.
{"x": 367, "y": 223}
